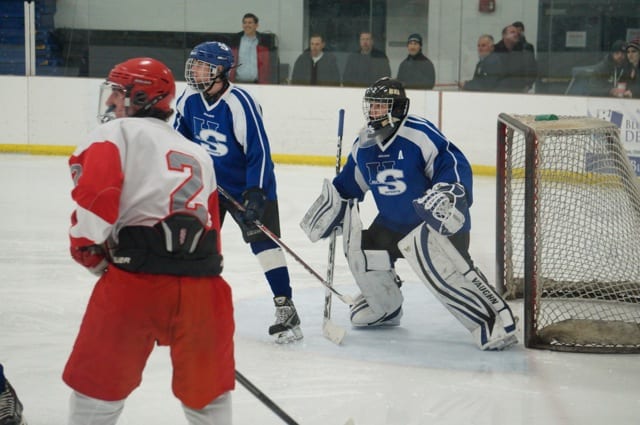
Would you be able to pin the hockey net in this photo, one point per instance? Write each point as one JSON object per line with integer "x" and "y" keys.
{"x": 568, "y": 233}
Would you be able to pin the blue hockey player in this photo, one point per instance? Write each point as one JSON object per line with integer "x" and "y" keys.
{"x": 421, "y": 184}
{"x": 227, "y": 121}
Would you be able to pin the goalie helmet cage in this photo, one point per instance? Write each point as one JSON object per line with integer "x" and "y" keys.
{"x": 568, "y": 233}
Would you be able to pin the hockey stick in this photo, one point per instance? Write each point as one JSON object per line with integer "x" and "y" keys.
{"x": 344, "y": 298}
{"x": 270, "y": 403}
{"x": 264, "y": 399}
{"x": 330, "y": 330}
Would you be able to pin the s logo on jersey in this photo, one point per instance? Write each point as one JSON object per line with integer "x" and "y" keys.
{"x": 386, "y": 179}
{"x": 213, "y": 140}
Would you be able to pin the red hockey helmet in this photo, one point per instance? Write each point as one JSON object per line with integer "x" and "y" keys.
{"x": 147, "y": 84}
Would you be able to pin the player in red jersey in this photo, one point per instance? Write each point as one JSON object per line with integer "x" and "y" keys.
{"x": 146, "y": 221}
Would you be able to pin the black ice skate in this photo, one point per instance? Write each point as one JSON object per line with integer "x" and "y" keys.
{"x": 287, "y": 326}
{"x": 10, "y": 407}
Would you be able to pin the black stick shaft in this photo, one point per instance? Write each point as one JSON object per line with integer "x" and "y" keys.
{"x": 344, "y": 298}
{"x": 264, "y": 399}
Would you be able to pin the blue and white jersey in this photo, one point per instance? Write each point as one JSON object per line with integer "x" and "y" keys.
{"x": 232, "y": 132}
{"x": 416, "y": 157}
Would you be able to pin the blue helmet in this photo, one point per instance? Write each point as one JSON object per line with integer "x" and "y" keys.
{"x": 208, "y": 62}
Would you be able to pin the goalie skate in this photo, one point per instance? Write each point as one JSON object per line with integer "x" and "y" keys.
{"x": 287, "y": 326}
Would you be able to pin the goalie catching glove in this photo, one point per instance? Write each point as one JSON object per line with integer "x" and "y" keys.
{"x": 443, "y": 207}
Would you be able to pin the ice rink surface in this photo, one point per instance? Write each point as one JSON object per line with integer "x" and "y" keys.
{"x": 427, "y": 371}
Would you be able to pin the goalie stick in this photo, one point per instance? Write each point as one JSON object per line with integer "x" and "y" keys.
{"x": 344, "y": 298}
{"x": 330, "y": 330}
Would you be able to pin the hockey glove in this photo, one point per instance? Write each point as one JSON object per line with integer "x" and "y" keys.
{"x": 443, "y": 207}
{"x": 93, "y": 257}
{"x": 254, "y": 204}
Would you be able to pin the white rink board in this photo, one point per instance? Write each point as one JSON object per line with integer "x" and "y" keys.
{"x": 301, "y": 120}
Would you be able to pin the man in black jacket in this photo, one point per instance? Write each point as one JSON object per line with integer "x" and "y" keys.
{"x": 314, "y": 66}
{"x": 488, "y": 72}
{"x": 519, "y": 65}
{"x": 367, "y": 65}
{"x": 416, "y": 71}
{"x": 525, "y": 44}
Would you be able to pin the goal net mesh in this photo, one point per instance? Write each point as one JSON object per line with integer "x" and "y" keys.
{"x": 584, "y": 262}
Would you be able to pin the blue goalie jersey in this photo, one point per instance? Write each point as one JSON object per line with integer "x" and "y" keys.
{"x": 232, "y": 132}
{"x": 416, "y": 157}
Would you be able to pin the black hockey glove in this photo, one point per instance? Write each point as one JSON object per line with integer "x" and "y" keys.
{"x": 254, "y": 203}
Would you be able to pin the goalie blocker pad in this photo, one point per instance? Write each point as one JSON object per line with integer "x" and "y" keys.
{"x": 325, "y": 214}
{"x": 463, "y": 290}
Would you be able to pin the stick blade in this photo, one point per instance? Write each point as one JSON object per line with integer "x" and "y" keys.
{"x": 333, "y": 332}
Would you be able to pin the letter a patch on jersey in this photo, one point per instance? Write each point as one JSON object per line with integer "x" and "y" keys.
{"x": 400, "y": 155}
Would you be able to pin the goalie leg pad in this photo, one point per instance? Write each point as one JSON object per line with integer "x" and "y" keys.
{"x": 463, "y": 290}
{"x": 380, "y": 302}
{"x": 325, "y": 213}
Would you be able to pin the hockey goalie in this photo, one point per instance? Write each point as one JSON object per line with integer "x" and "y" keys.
{"x": 421, "y": 184}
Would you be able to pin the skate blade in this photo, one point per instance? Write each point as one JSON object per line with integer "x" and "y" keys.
{"x": 288, "y": 336}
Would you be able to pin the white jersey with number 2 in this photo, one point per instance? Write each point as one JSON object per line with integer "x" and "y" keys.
{"x": 136, "y": 172}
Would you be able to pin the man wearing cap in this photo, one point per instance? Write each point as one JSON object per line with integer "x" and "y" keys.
{"x": 366, "y": 65}
{"x": 416, "y": 71}
{"x": 611, "y": 75}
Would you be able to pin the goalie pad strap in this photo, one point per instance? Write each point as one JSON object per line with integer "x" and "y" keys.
{"x": 371, "y": 269}
{"x": 325, "y": 213}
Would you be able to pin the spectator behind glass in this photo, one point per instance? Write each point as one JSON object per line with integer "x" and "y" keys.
{"x": 367, "y": 65}
{"x": 525, "y": 44}
{"x": 612, "y": 74}
{"x": 314, "y": 66}
{"x": 416, "y": 71}
{"x": 253, "y": 52}
{"x": 633, "y": 56}
{"x": 519, "y": 65}
{"x": 488, "y": 72}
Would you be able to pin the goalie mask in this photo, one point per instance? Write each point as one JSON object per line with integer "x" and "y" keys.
{"x": 138, "y": 87}
{"x": 385, "y": 103}
{"x": 207, "y": 63}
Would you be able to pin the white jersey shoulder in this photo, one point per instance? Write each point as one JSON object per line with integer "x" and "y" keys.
{"x": 164, "y": 172}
